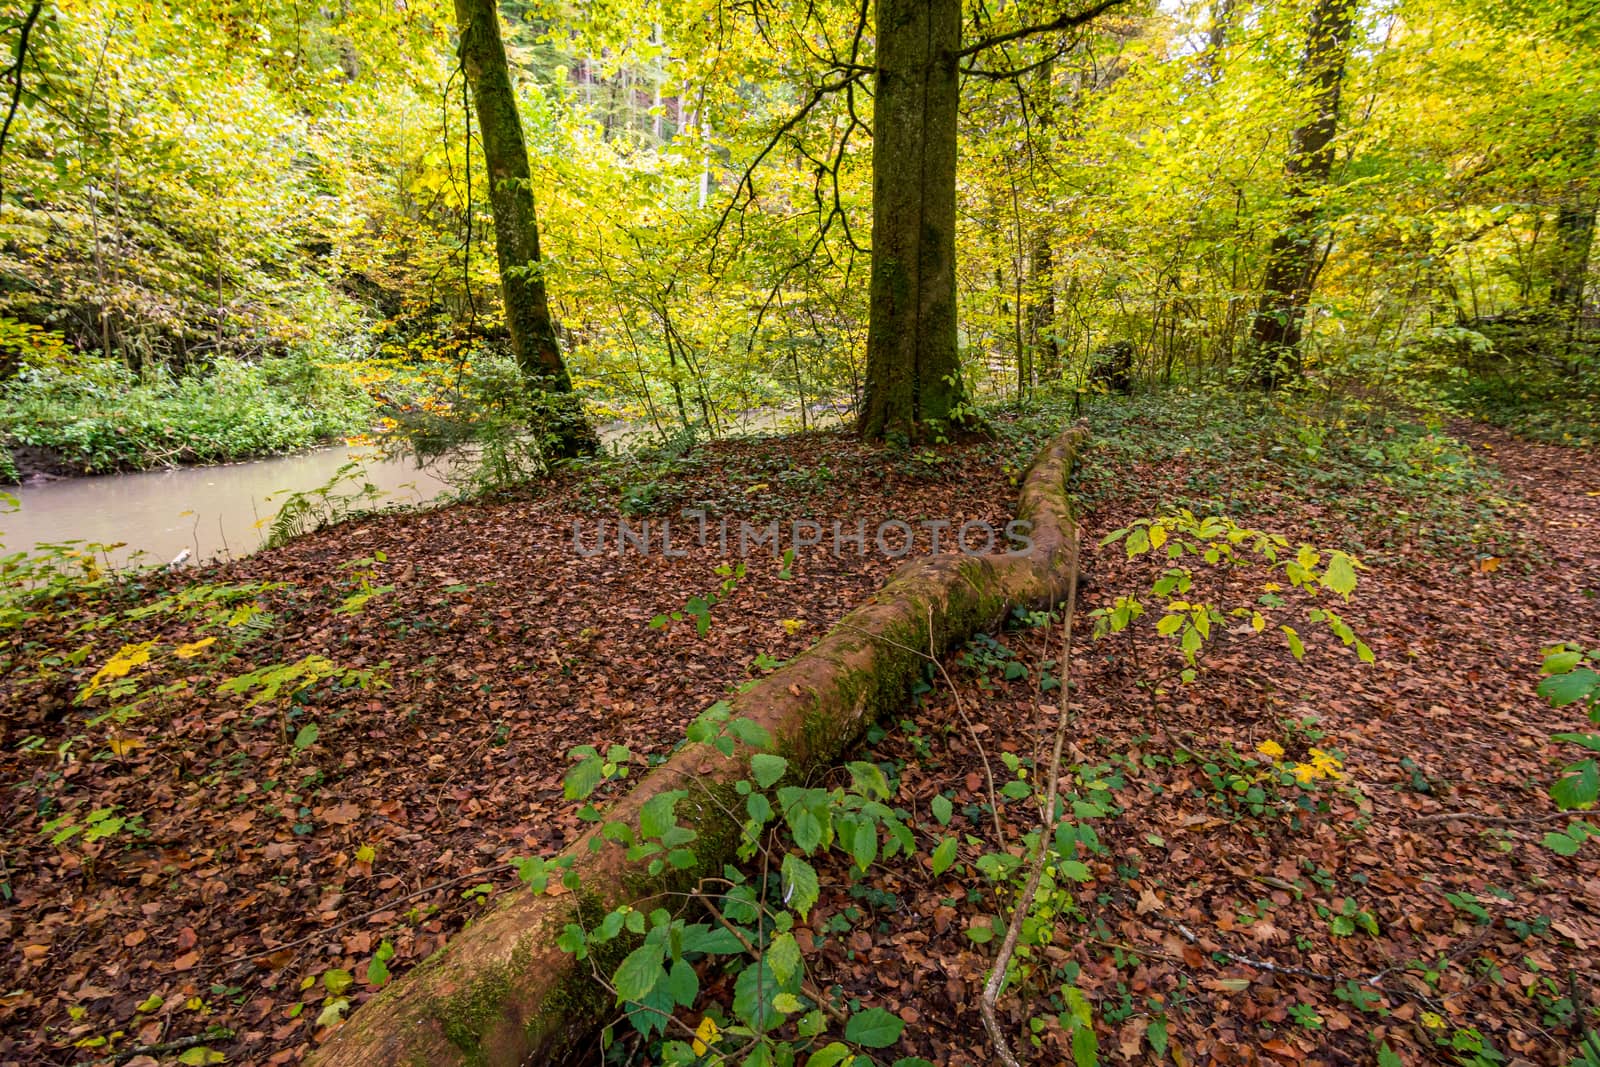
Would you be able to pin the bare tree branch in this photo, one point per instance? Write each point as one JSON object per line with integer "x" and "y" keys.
{"x": 746, "y": 186}
{"x": 14, "y": 74}
{"x": 1063, "y": 22}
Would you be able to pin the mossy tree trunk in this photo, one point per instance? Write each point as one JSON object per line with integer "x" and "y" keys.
{"x": 1575, "y": 228}
{"x": 1042, "y": 313}
{"x": 913, "y": 385}
{"x": 516, "y": 225}
{"x": 1277, "y": 329}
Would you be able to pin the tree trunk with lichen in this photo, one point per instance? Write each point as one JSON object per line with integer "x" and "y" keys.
{"x": 913, "y": 385}
{"x": 516, "y": 225}
{"x": 1575, "y": 228}
{"x": 1276, "y": 331}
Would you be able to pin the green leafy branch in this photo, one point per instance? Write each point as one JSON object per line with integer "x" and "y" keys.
{"x": 1220, "y": 542}
{"x": 699, "y": 607}
{"x": 1573, "y": 681}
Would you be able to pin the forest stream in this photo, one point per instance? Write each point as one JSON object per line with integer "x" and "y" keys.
{"x": 224, "y": 510}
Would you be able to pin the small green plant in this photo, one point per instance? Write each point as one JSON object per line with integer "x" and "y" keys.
{"x": 1219, "y": 542}
{"x": 698, "y": 607}
{"x": 1305, "y": 1015}
{"x": 1350, "y": 918}
{"x": 32, "y": 581}
{"x": 97, "y": 825}
{"x": 1572, "y": 680}
{"x": 773, "y": 1008}
{"x": 591, "y": 769}
{"x": 331, "y": 502}
{"x": 364, "y": 571}
{"x": 280, "y": 683}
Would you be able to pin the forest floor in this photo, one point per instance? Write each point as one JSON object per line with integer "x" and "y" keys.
{"x": 256, "y": 858}
{"x": 261, "y": 868}
{"x": 1411, "y": 905}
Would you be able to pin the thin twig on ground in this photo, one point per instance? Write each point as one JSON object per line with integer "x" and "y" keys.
{"x": 1008, "y": 946}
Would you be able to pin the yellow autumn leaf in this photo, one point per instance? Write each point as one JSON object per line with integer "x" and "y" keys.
{"x": 1327, "y": 766}
{"x": 705, "y": 1035}
{"x": 118, "y": 666}
{"x": 791, "y": 626}
{"x": 1257, "y": 623}
{"x": 121, "y": 746}
{"x": 1270, "y": 748}
{"x": 194, "y": 648}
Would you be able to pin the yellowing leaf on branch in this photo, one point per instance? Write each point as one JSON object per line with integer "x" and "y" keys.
{"x": 705, "y": 1035}
{"x": 194, "y": 648}
{"x": 118, "y": 666}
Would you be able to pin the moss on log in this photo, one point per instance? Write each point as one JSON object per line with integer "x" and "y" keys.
{"x": 501, "y": 992}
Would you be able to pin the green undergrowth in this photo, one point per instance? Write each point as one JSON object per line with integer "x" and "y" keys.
{"x": 1376, "y": 478}
{"x": 104, "y": 418}
{"x": 1533, "y": 374}
{"x": 1560, "y": 412}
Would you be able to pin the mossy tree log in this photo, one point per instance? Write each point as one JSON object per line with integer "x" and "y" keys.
{"x": 501, "y": 992}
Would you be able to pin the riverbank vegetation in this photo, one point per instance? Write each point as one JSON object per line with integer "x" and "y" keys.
{"x": 1298, "y": 767}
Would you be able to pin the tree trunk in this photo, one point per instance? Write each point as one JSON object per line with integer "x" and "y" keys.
{"x": 1574, "y": 238}
{"x": 1575, "y": 230}
{"x": 1041, "y": 259}
{"x": 913, "y": 382}
{"x": 1217, "y": 37}
{"x": 516, "y": 227}
{"x": 1292, "y": 258}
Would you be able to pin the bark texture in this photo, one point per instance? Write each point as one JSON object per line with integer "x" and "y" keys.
{"x": 913, "y": 369}
{"x": 1575, "y": 229}
{"x": 1291, "y": 270}
{"x": 501, "y": 992}
{"x": 1575, "y": 238}
{"x": 1042, "y": 312}
{"x": 516, "y": 224}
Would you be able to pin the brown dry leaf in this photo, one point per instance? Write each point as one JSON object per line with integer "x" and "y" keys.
{"x": 1130, "y": 1040}
{"x": 341, "y": 814}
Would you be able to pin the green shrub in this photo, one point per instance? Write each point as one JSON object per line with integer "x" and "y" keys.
{"x": 102, "y": 418}
{"x": 494, "y": 428}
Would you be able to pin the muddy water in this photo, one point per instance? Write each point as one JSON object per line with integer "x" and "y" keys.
{"x": 226, "y": 510}
{"x": 211, "y": 511}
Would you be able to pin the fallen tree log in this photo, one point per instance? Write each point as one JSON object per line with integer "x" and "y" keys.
{"x": 502, "y": 992}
